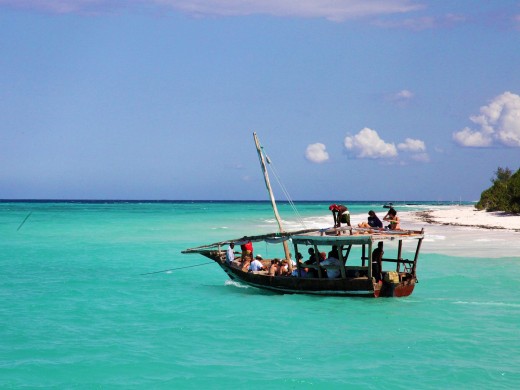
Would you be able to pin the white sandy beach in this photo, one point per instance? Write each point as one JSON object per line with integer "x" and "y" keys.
{"x": 471, "y": 217}
{"x": 464, "y": 231}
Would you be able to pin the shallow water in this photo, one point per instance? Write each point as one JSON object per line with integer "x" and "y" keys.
{"x": 77, "y": 313}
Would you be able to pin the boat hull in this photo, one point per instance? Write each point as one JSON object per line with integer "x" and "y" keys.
{"x": 348, "y": 287}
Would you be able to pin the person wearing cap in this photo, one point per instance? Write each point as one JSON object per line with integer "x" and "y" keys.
{"x": 340, "y": 214}
{"x": 247, "y": 254}
{"x": 256, "y": 264}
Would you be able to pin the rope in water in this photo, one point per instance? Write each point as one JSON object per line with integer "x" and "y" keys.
{"x": 28, "y": 215}
{"x": 174, "y": 269}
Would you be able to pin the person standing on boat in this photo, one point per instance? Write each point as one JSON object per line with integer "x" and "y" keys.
{"x": 247, "y": 249}
{"x": 392, "y": 217}
{"x": 377, "y": 262}
{"x": 230, "y": 253}
{"x": 340, "y": 214}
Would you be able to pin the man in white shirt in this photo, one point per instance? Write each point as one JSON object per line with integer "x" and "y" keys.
{"x": 256, "y": 264}
{"x": 331, "y": 272}
{"x": 230, "y": 253}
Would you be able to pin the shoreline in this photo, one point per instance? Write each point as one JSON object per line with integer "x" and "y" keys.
{"x": 468, "y": 216}
{"x": 463, "y": 231}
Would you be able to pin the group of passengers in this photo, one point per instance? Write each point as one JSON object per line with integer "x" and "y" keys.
{"x": 375, "y": 223}
{"x": 308, "y": 268}
{"x": 322, "y": 259}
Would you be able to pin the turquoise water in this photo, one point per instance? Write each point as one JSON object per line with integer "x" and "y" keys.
{"x": 77, "y": 313}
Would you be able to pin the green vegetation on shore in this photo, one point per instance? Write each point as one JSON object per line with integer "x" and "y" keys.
{"x": 504, "y": 194}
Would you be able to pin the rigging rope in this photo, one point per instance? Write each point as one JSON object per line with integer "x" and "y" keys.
{"x": 284, "y": 190}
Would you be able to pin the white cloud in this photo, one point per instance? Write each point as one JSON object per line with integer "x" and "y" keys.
{"x": 475, "y": 139}
{"x": 404, "y": 95}
{"x": 423, "y": 23}
{"x": 412, "y": 145}
{"x": 498, "y": 123}
{"x": 316, "y": 153}
{"x": 416, "y": 147}
{"x": 421, "y": 157}
{"x": 336, "y": 10}
{"x": 401, "y": 98}
{"x": 66, "y": 6}
{"x": 368, "y": 144}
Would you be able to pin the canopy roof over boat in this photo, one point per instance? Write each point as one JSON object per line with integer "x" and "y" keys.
{"x": 335, "y": 236}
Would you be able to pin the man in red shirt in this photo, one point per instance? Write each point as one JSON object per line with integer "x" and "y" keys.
{"x": 340, "y": 214}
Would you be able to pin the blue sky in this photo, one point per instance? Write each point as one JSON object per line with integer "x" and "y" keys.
{"x": 352, "y": 99}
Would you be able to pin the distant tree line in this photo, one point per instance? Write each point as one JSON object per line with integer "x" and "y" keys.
{"x": 504, "y": 194}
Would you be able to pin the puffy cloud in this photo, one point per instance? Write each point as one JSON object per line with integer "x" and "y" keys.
{"x": 498, "y": 123}
{"x": 316, "y": 153}
{"x": 475, "y": 139}
{"x": 416, "y": 147}
{"x": 412, "y": 145}
{"x": 368, "y": 144}
{"x": 336, "y": 10}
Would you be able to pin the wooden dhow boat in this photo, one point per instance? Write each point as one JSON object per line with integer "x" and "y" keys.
{"x": 355, "y": 273}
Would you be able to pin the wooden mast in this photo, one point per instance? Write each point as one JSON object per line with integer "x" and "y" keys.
{"x": 271, "y": 196}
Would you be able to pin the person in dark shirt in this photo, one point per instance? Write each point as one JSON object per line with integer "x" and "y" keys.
{"x": 377, "y": 261}
{"x": 373, "y": 220}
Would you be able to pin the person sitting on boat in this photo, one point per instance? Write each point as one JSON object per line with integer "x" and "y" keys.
{"x": 377, "y": 262}
{"x": 312, "y": 256}
{"x": 340, "y": 214}
{"x": 299, "y": 258}
{"x": 323, "y": 257}
{"x": 303, "y": 272}
{"x": 372, "y": 222}
{"x": 256, "y": 264}
{"x": 283, "y": 269}
{"x": 273, "y": 268}
{"x": 313, "y": 259}
{"x": 230, "y": 253}
{"x": 392, "y": 217}
{"x": 332, "y": 273}
{"x": 292, "y": 260}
